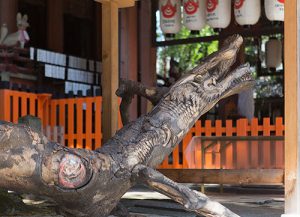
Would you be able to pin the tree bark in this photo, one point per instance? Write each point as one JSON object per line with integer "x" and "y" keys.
{"x": 128, "y": 89}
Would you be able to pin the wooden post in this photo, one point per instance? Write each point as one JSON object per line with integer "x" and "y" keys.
{"x": 110, "y": 61}
{"x": 110, "y": 75}
{"x": 55, "y": 25}
{"x": 129, "y": 50}
{"x": 8, "y": 13}
{"x": 147, "y": 52}
{"x": 98, "y": 31}
{"x": 292, "y": 106}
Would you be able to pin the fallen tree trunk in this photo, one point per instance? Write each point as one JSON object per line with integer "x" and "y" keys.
{"x": 91, "y": 183}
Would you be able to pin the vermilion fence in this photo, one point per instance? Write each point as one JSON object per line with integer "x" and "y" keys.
{"x": 15, "y": 104}
{"x": 235, "y": 145}
{"x": 239, "y": 145}
{"x": 81, "y": 118}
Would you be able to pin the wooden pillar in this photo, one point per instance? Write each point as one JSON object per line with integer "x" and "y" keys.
{"x": 147, "y": 53}
{"x": 110, "y": 74}
{"x": 129, "y": 50}
{"x": 98, "y": 31}
{"x": 292, "y": 109}
{"x": 8, "y": 13}
{"x": 55, "y": 21}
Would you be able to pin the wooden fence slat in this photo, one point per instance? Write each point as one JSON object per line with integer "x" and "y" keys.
{"x": 229, "y": 129}
{"x": 229, "y": 148}
{"x": 175, "y": 156}
{"x": 15, "y": 110}
{"x": 198, "y": 128}
{"x": 207, "y": 151}
{"x": 70, "y": 120}
{"x": 242, "y": 151}
{"x": 279, "y": 145}
{"x": 88, "y": 123}
{"x": 217, "y": 149}
{"x": 79, "y": 123}
{"x": 23, "y": 105}
{"x": 32, "y": 110}
{"x": 254, "y": 152}
{"x": 5, "y": 105}
{"x": 98, "y": 132}
{"x": 266, "y": 144}
{"x": 198, "y": 148}
{"x": 53, "y": 111}
{"x": 185, "y": 142}
{"x": 219, "y": 128}
{"x": 279, "y": 127}
{"x": 40, "y": 109}
{"x": 62, "y": 112}
{"x": 208, "y": 128}
{"x": 198, "y": 156}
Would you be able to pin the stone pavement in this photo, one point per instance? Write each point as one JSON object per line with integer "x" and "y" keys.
{"x": 141, "y": 202}
{"x": 245, "y": 202}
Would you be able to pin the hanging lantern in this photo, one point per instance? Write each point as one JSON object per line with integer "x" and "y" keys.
{"x": 274, "y": 10}
{"x": 218, "y": 13}
{"x": 170, "y": 16}
{"x": 247, "y": 12}
{"x": 194, "y": 14}
{"x": 273, "y": 53}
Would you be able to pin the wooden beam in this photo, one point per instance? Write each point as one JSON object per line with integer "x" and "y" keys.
{"x": 55, "y": 27}
{"x": 243, "y": 32}
{"x": 292, "y": 105}
{"x": 215, "y": 176}
{"x": 120, "y": 3}
{"x": 110, "y": 75}
{"x": 125, "y": 3}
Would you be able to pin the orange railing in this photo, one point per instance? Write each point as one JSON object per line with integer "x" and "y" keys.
{"x": 236, "y": 145}
{"x": 81, "y": 121}
{"x": 81, "y": 118}
{"x": 15, "y": 104}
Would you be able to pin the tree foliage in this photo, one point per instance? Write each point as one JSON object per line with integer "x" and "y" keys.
{"x": 188, "y": 55}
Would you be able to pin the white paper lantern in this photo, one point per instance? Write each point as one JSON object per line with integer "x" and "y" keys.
{"x": 194, "y": 14}
{"x": 273, "y": 53}
{"x": 218, "y": 13}
{"x": 274, "y": 10}
{"x": 247, "y": 12}
{"x": 170, "y": 16}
